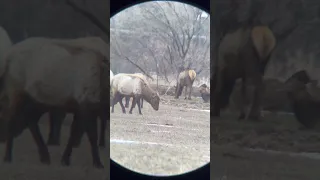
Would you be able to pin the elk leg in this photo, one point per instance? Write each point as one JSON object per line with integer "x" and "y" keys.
{"x": 114, "y": 101}
{"x": 91, "y": 129}
{"x": 9, "y": 142}
{"x": 185, "y": 92}
{"x": 42, "y": 147}
{"x": 254, "y": 113}
{"x": 13, "y": 115}
{"x": 31, "y": 115}
{"x": 56, "y": 119}
{"x": 127, "y": 99}
{"x": 77, "y": 140}
{"x": 190, "y": 90}
{"x": 141, "y": 103}
{"x": 177, "y": 91}
{"x": 10, "y": 137}
{"x": 133, "y": 104}
{"x": 77, "y": 128}
{"x": 139, "y": 106}
{"x": 122, "y": 106}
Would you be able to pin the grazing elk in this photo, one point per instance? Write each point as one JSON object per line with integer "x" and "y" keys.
{"x": 56, "y": 117}
{"x": 127, "y": 99}
{"x": 243, "y": 53}
{"x": 131, "y": 85}
{"x": 205, "y": 92}
{"x": 185, "y": 79}
{"x": 304, "y": 96}
{"x": 43, "y": 75}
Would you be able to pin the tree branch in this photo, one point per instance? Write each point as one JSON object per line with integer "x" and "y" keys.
{"x": 90, "y": 16}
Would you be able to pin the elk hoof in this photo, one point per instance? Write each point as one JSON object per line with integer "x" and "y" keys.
{"x": 130, "y": 112}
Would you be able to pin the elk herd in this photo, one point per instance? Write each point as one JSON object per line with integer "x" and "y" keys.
{"x": 60, "y": 76}
{"x": 244, "y": 54}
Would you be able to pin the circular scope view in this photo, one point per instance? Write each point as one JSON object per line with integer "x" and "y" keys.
{"x": 160, "y": 88}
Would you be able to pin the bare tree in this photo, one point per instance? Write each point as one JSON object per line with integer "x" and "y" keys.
{"x": 162, "y": 37}
{"x": 181, "y": 26}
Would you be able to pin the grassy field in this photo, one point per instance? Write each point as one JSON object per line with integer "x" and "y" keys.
{"x": 173, "y": 140}
{"x": 294, "y": 150}
{"x": 26, "y": 164}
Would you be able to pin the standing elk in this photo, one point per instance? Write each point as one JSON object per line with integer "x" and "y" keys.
{"x": 304, "y": 96}
{"x": 131, "y": 85}
{"x": 185, "y": 79}
{"x": 243, "y": 54}
{"x": 43, "y": 75}
{"x": 205, "y": 92}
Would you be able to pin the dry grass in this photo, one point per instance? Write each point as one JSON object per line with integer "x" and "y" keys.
{"x": 178, "y": 137}
{"x": 275, "y": 132}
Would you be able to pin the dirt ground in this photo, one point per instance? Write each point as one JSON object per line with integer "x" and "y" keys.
{"x": 296, "y": 149}
{"x": 26, "y": 164}
{"x": 173, "y": 140}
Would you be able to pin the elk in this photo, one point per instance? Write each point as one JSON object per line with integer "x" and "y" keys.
{"x": 205, "y": 92}
{"x": 127, "y": 99}
{"x": 185, "y": 79}
{"x": 243, "y": 53}
{"x": 304, "y": 96}
{"x": 43, "y": 75}
{"x": 131, "y": 85}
